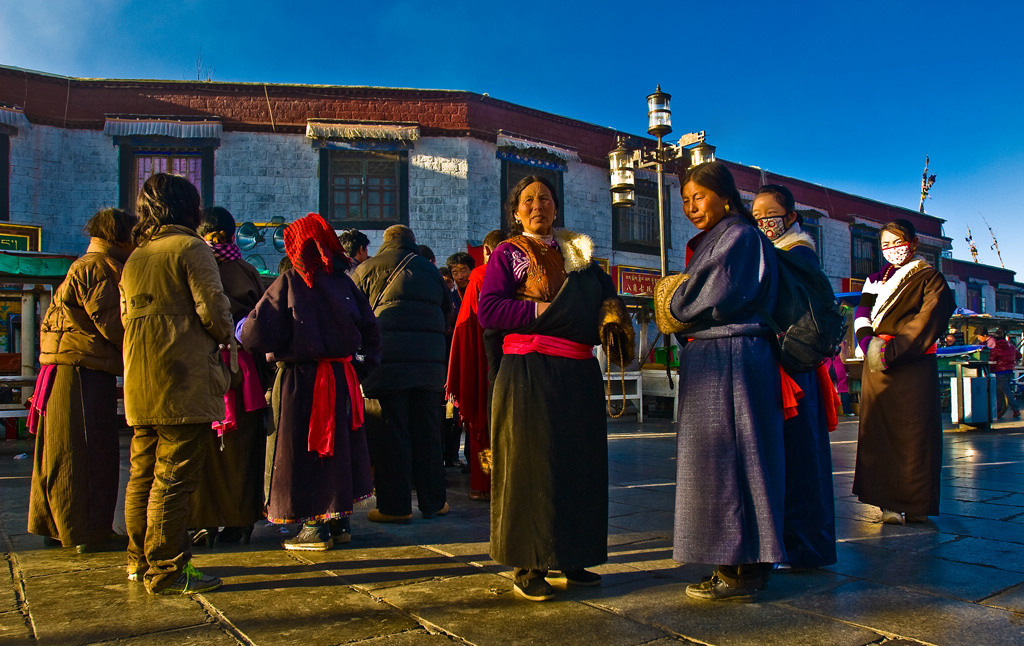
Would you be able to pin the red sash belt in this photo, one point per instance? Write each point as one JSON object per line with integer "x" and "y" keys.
{"x": 321, "y": 417}
{"x": 550, "y": 345}
{"x": 932, "y": 350}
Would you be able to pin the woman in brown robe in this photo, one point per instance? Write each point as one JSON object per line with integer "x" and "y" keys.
{"x": 322, "y": 333}
{"x": 230, "y": 490}
{"x": 75, "y": 471}
{"x": 904, "y": 309}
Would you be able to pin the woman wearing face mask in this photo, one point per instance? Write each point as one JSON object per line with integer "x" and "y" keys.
{"x": 730, "y": 481}
{"x": 903, "y": 310}
{"x": 810, "y": 521}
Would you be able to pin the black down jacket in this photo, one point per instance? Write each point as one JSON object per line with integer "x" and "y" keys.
{"x": 411, "y": 311}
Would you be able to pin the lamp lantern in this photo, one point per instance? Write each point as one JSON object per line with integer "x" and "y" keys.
{"x": 702, "y": 152}
{"x": 620, "y": 165}
{"x": 624, "y": 199}
{"x": 659, "y": 114}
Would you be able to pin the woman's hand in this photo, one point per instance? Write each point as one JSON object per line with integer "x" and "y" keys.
{"x": 541, "y": 307}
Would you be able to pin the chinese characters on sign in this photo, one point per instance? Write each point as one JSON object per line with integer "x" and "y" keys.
{"x": 636, "y": 281}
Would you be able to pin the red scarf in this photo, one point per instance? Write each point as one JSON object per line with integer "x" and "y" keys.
{"x": 312, "y": 246}
{"x": 467, "y": 376}
{"x": 321, "y": 418}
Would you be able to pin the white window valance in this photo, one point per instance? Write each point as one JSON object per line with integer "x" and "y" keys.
{"x": 332, "y": 129}
{"x": 13, "y": 117}
{"x": 518, "y": 141}
{"x": 177, "y": 127}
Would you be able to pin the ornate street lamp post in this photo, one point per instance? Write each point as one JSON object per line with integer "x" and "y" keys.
{"x": 623, "y": 161}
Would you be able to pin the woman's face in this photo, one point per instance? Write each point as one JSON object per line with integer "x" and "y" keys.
{"x": 702, "y": 206}
{"x": 895, "y": 249}
{"x": 771, "y": 216}
{"x": 536, "y": 210}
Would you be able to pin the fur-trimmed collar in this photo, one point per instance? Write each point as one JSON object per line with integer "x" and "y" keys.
{"x": 577, "y": 249}
{"x": 794, "y": 236}
{"x": 887, "y": 293}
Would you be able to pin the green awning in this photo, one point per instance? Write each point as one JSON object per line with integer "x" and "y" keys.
{"x": 33, "y": 267}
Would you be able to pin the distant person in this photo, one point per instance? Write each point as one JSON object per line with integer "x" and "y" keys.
{"x": 76, "y": 465}
{"x": 903, "y": 310}
{"x": 467, "y": 384}
{"x": 319, "y": 329}
{"x": 356, "y": 246}
{"x": 809, "y": 532}
{"x": 838, "y": 372}
{"x": 460, "y": 264}
{"x": 547, "y": 303}
{"x": 175, "y": 315}
{"x": 411, "y": 303}
{"x": 230, "y": 490}
{"x": 427, "y": 253}
{"x": 1003, "y": 358}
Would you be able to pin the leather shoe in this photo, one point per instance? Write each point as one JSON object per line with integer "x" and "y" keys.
{"x": 715, "y": 589}
{"x": 377, "y": 516}
{"x": 440, "y": 512}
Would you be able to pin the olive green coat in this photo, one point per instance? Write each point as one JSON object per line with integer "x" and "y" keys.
{"x": 175, "y": 314}
{"x": 82, "y": 326}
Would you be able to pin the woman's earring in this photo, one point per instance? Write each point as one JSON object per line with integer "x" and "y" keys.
{"x": 726, "y": 207}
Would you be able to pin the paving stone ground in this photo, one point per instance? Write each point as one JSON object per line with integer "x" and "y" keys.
{"x": 956, "y": 580}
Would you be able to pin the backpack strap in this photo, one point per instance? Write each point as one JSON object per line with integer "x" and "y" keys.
{"x": 394, "y": 274}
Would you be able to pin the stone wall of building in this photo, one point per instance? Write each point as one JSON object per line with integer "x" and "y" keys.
{"x": 439, "y": 194}
{"x": 59, "y": 179}
{"x": 835, "y": 251}
{"x": 258, "y": 176}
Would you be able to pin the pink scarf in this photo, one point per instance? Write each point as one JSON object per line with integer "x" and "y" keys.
{"x": 251, "y": 392}
{"x": 41, "y": 394}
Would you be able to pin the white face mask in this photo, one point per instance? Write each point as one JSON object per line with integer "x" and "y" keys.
{"x": 897, "y": 255}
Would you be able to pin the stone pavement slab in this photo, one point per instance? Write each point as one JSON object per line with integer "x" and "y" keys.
{"x": 85, "y": 607}
{"x": 928, "y": 618}
{"x": 954, "y": 580}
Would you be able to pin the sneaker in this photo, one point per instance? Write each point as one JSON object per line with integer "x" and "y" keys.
{"x": 1016, "y": 414}
{"x": 377, "y": 516}
{"x": 191, "y": 581}
{"x": 578, "y": 577}
{"x": 890, "y": 517}
{"x": 341, "y": 530}
{"x": 715, "y": 589}
{"x": 440, "y": 512}
{"x": 530, "y": 585}
{"x": 137, "y": 575}
{"x": 311, "y": 538}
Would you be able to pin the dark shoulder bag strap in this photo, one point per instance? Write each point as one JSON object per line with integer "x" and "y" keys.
{"x": 394, "y": 274}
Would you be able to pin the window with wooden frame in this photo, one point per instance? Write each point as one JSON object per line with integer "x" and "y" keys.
{"x": 364, "y": 189}
{"x": 143, "y": 157}
{"x": 1004, "y": 301}
{"x": 974, "y": 300}
{"x": 636, "y": 228}
{"x": 812, "y": 227}
{"x": 864, "y": 253}
{"x": 5, "y": 176}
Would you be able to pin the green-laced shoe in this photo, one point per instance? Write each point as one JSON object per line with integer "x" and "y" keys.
{"x": 191, "y": 581}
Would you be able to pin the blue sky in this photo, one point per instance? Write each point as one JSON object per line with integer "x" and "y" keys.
{"x": 850, "y": 95}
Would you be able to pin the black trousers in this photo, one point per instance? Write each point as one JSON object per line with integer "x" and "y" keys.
{"x": 405, "y": 445}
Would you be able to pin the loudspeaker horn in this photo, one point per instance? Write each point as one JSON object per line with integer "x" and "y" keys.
{"x": 257, "y": 261}
{"x": 279, "y": 238}
{"x": 248, "y": 236}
